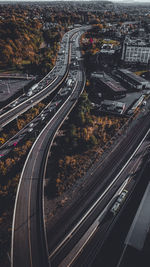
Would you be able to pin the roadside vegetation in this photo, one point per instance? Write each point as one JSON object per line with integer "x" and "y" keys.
{"x": 21, "y": 46}
{"x": 10, "y": 170}
{"x": 10, "y": 130}
{"x": 83, "y": 138}
{"x": 29, "y": 46}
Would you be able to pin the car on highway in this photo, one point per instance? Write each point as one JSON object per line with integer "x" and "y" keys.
{"x": 30, "y": 130}
{"x": 42, "y": 117}
{"x": 55, "y": 103}
{"x": 23, "y": 98}
{"x": 14, "y": 104}
{"x": 115, "y": 207}
{"x": 51, "y": 108}
{"x": 31, "y": 124}
{"x": 29, "y": 93}
{"x": 122, "y": 196}
{"x": 15, "y": 143}
{"x": 144, "y": 103}
{"x": 64, "y": 93}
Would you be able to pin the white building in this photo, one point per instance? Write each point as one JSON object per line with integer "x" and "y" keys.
{"x": 136, "y": 51}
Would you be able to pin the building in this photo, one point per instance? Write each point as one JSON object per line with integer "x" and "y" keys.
{"x": 136, "y": 246}
{"x": 141, "y": 33}
{"x": 136, "y": 50}
{"x": 113, "y": 106}
{"x": 140, "y": 226}
{"x": 137, "y": 104}
{"x": 109, "y": 87}
{"x": 134, "y": 81}
{"x": 108, "y": 49}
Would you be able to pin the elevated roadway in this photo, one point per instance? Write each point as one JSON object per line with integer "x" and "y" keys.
{"x": 102, "y": 178}
{"x": 29, "y": 246}
{"x": 44, "y": 88}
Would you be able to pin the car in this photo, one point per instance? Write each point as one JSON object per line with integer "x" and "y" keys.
{"x": 51, "y": 108}
{"x": 30, "y": 130}
{"x": 115, "y": 207}
{"x": 57, "y": 103}
{"x": 30, "y": 93}
{"x": 15, "y": 143}
{"x": 144, "y": 103}
{"x": 31, "y": 124}
{"x": 122, "y": 196}
{"x": 42, "y": 118}
{"x": 64, "y": 93}
{"x": 14, "y": 104}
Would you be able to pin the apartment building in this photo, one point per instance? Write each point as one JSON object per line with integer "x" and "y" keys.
{"x": 136, "y": 50}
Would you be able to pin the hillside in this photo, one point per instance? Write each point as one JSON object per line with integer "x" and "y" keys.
{"x": 20, "y": 41}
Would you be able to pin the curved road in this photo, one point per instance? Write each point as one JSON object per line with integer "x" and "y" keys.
{"x": 100, "y": 176}
{"x": 28, "y": 236}
{"x": 45, "y": 87}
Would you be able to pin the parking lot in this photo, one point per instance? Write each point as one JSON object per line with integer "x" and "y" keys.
{"x": 11, "y": 86}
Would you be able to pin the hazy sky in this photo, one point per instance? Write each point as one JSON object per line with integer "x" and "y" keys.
{"x": 131, "y": 1}
{"x": 148, "y": 1}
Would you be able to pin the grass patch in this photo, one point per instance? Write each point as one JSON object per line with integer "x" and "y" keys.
{"x": 140, "y": 72}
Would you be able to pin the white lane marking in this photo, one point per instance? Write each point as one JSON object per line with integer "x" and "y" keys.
{"x": 33, "y": 166}
{"x": 28, "y": 99}
{"x": 96, "y": 202}
{"x": 21, "y": 178}
{"x": 73, "y": 254}
{"x": 29, "y": 215}
{"x": 23, "y": 94}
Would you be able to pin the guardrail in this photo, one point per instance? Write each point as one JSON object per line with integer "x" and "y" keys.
{"x": 41, "y": 153}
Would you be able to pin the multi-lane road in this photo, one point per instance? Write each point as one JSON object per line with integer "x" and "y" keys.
{"x": 104, "y": 177}
{"x": 29, "y": 247}
{"x": 44, "y": 88}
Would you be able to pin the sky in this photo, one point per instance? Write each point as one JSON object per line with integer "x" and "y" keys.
{"x": 75, "y": 0}
{"x": 142, "y": 1}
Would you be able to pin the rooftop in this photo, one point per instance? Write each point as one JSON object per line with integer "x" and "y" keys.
{"x": 137, "y": 42}
{"x": 111, "y": 83}
{"x": 140, "y": 226}
{"x": 137, "y": 79}
{"x": 113, "y": 103}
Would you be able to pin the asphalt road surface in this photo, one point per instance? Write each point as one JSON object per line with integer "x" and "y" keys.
{"x": 28, "y": 238}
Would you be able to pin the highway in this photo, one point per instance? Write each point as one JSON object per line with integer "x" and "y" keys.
{"x": 106, "y": 220}
{"x": 28, "y": 233}
{"x": 28, "y": 225}
{"x": 44, "y": 88}
{"x": 77, "y": 219}
{"x": 23, "y": 103}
